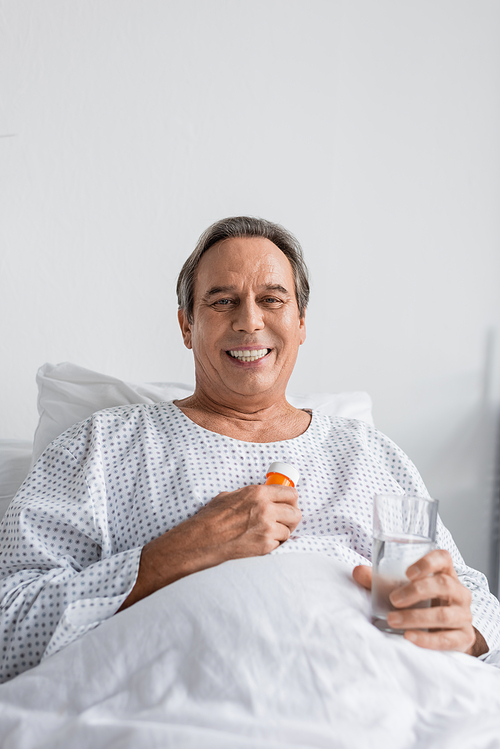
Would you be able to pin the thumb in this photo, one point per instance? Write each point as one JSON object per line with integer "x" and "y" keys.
{"x": 363, "y": 576}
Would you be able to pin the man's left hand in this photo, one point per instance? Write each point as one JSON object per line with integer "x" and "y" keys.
{"x": 449, "y": 620}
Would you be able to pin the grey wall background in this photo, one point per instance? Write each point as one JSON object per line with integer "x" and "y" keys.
{"x": 370, "y": 129}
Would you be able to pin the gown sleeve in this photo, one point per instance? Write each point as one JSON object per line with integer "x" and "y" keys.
{"x": 60, "y": 574}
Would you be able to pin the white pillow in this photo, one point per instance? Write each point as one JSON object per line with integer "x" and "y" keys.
{"x": 68, "y": 394}
{"x": 15, "y": 457}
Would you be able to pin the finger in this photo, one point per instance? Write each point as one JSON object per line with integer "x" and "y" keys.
{"x": 258, "y": 495}
{"x": 454, "y": 639}
{"x": 362, "y": 574}
{"x": 282, "y": 533}
{"x": 283, "y": 494}
{"x": 274, "y": 493}
{"x": 448, "y": 590}
{"x": 288, "y": 515}
{"x": 438, "y": 560}
{"x": 437, "y": 617}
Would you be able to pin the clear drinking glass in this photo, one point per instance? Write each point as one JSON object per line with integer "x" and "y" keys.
{"x": 404, "y": 530}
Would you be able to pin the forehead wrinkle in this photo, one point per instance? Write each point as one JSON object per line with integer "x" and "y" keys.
{"x": 262, "y": 287}
{"x": 267, "y": 267}
{"x": 264, "y": 274}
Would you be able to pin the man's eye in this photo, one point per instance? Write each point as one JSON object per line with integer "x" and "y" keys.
{"x": 222, "y": 302}
{"x": 272, "y": 300}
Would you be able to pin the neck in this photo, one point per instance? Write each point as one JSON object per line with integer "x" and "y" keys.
{"x": 249, "y": 420}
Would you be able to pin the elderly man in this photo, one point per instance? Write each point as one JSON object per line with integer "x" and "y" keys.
{"x": 137, "y": 497}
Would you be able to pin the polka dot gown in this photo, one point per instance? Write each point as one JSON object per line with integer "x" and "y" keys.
{"x": 72, "y": 537}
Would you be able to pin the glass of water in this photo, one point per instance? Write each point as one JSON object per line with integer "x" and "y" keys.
{"x": 404, "y": 530}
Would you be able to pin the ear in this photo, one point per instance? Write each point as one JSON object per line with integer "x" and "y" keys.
{"x": 185, "y": 328}
{"x": 302, "y": 328}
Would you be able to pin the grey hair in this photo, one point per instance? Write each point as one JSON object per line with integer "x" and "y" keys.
{"x": 244, "y": 226}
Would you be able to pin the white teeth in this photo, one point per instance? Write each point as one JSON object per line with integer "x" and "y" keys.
{"x": 249, "y": 355}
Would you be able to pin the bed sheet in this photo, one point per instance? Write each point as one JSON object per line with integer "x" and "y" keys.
{"x": 266, "y": 652}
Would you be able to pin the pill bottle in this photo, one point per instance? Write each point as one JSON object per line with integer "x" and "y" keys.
{"x": 282, "y": 473}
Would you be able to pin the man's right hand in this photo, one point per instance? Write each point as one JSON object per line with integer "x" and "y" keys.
{"x": 250, "y": 521}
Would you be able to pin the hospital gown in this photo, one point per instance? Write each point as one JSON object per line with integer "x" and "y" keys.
{"x": 71, "y": 540}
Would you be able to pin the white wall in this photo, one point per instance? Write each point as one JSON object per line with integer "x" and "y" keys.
{"x": 370, "y": 129}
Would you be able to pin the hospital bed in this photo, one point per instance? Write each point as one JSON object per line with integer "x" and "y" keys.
{"x": 266, "y": 652}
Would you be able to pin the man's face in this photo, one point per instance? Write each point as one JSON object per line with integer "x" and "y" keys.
{"x": 246, "y": 327}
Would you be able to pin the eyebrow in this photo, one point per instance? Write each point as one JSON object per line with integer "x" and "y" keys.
{"x": 218, "y": 290}
{"x": 226, "y": 289}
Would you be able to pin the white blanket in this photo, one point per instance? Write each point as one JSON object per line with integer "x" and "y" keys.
{"x": 268, "y": 652}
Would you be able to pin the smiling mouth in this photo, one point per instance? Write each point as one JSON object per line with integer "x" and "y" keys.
{"x": 248, "y": 356}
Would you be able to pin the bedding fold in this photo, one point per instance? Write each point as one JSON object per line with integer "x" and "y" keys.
{"x": 267, "y": 652}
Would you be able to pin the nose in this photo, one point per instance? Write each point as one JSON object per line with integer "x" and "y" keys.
{"x": 248, "y": 317}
